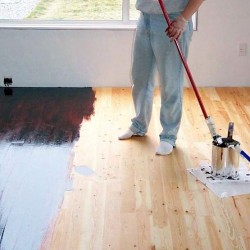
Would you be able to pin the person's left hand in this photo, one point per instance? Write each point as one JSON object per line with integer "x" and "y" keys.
{"x": 177, "y": 27}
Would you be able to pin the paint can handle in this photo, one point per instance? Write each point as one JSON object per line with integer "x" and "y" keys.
{"x": 230, "y": 130}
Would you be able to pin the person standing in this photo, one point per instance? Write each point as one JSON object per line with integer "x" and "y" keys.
{"x": 154, "y": 49}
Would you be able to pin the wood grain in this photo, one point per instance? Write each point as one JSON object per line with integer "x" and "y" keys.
{"x": 137, "y": 200}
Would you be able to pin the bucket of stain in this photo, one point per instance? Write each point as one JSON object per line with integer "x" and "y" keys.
{"x": 225, "y": 159}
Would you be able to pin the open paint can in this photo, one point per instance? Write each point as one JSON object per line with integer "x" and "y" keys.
{"x": 225, "y": 159}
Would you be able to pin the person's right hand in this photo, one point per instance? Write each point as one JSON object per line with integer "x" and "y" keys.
{"x": 176, "y": 28}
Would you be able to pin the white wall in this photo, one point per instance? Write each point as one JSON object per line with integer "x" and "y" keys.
{"x": 66, "y": 57}
{"x": 80, "y": 58}
{"x": 214, "y": 55}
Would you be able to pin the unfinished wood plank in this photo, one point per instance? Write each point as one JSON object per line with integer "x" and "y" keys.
{"x": 137, "y": 200}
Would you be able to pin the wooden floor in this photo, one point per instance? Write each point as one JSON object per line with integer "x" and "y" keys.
{"x": 136, "y": 200}
{"x": 122, "y": 195}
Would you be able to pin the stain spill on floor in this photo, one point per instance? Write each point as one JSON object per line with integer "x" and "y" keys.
{"x": 38, "y": 128}
{"x": 84, "y": 170}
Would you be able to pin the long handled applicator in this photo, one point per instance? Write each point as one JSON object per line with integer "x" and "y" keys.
{"x": 217, "y": 138}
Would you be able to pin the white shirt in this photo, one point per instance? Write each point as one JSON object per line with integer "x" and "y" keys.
{"x": 153, "y": 6}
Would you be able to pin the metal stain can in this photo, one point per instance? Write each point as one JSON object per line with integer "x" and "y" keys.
{"x": 225, "y": 159}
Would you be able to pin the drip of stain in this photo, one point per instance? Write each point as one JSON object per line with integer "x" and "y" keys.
{"x": 84, "y": 170}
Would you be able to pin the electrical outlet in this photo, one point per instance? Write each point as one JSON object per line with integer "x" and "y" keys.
{"x": 7, "y": 82}
{"x": 242, "y": 49}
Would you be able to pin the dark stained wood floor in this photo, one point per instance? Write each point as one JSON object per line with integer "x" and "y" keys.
{"x": 45, "y": 115}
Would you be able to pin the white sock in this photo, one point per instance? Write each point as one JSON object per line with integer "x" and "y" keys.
{"x": 126, "y": 135}
{"x": 164, "y": 148}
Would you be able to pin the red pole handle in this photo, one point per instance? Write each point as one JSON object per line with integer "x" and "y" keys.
{"x": 184, "y": 61}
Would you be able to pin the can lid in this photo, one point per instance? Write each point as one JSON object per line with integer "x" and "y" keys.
{"x": 226, "y": 143}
